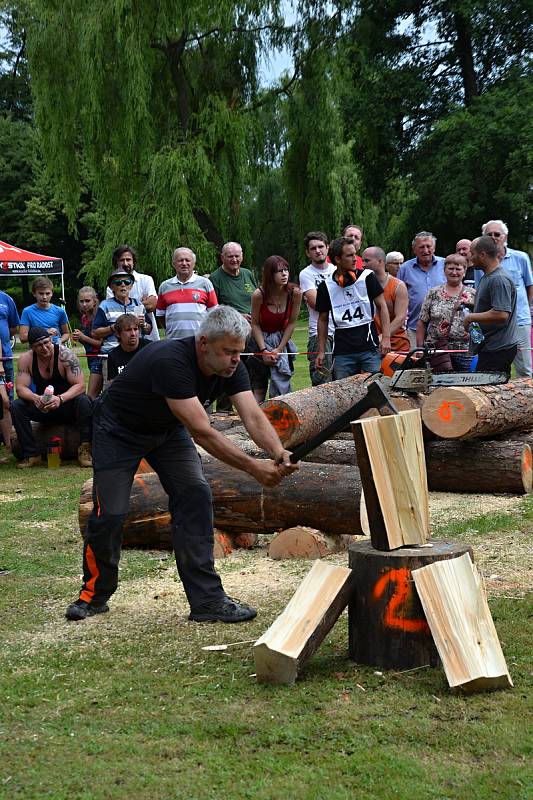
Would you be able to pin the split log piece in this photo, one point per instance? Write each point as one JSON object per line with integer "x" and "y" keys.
{"x": 456, "y": 608}
{"x": 387, "y": 625}
{"x": 491, "y": 466}
{"x": 322, "y": 496}
{"x": 486, "y": 411}
{"x": 283, "y": 650}
{"x": 303, "y": 542}
{"x": 390, "y": 452}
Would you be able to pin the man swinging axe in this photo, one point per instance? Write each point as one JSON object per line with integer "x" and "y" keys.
{"x": 151, "y": 411}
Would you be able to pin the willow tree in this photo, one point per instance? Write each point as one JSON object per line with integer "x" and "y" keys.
{"x": 152, "y": 105}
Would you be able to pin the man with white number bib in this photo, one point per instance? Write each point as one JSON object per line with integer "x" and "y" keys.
{"x": 351, "y": 296}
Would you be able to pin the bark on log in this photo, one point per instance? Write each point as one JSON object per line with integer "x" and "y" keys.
{"x": 300, "y": 415}
{"x": 323, "y": 496}
{"x": 69, "y": 434}
{"x": 480, "y": 466}
{"x": 468, "y": 413}
{"x": 302, "y": 542}
{"x": 387, "y": 625}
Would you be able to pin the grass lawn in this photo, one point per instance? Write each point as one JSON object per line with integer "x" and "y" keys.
{"x": 129, "y": 705}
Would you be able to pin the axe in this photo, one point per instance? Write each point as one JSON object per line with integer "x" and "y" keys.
{"x": 376, "y": 397}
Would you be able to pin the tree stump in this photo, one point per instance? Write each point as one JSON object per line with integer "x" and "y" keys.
{"x": 387, "y": 625}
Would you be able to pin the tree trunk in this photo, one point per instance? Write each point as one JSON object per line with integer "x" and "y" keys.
{"x": 465, "y": 56}
{"x": 300, "y": 415}
{"x": 480, "y": 466}
{"x": 387, "y": 625}
{"x": 468, "y": 413}
{"x": 321, "y": 496}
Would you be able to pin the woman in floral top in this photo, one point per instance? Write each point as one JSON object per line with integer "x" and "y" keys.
{"x": 440, "y": 323}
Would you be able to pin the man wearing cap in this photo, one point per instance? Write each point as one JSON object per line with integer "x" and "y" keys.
{"x": 143, "y": 290}
{"x": 121, "y": 284}
{"x": 49, "y": 364}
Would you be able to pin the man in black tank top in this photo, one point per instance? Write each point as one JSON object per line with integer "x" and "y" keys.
{"x": 48, "y": 364}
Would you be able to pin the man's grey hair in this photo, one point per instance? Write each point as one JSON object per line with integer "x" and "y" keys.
{"x": 224, "y": 321}
{"x": 499, "y": 222}
{"x": 188, "y": 250}
{"x": 230, "y": 244}
{"x": 424, "y": 235}
{"x": 394, "y": 255}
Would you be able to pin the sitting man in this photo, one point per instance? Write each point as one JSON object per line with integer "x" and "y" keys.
{"x": 154, "y": 410}
{"x": 49, "y": 364}
{"x": 129, "y": 342}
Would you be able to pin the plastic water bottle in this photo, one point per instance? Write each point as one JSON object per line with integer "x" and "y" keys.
{"x": 48, "y": 394}
{"x": 476, "y": 334}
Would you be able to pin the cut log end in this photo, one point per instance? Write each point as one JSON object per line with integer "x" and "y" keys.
{"x": 303, "y": 542}
{"x": 449, "y": 413}
{"x": 283, "y": 419}
{"x": 527, "y": 469}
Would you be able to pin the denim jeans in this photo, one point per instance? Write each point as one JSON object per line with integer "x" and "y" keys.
{"x": 353, "y": 364}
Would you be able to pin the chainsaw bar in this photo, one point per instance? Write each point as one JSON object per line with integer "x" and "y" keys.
{"x": 421, "y": 380}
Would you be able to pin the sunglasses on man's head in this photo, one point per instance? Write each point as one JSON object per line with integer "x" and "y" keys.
{"x": 122, "y": 282}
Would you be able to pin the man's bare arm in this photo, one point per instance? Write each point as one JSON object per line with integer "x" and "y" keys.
{"x": 310, "y": 298}
{"x": 401, "y": 303}
{"x": 192, "y": 414}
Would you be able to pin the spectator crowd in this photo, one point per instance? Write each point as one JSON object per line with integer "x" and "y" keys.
{"x": 471, "y": 310}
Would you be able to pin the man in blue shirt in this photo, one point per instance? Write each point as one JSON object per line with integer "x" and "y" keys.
{"x": 517, "y": 264}
{"x": 420, "y": 274}
{"x": 9, "y": 322}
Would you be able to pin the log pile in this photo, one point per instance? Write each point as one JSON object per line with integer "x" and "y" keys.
{"x": 241, "y": 505}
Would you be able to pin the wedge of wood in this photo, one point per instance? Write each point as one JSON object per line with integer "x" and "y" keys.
{"x": 282, "y": 651}
{"x": 456, "y": 608}
{"x": 390, "y": 453}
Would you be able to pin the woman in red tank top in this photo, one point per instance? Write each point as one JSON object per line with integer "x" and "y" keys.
{"x": 275, "y": 309}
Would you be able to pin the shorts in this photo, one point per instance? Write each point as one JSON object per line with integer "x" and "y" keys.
{"x": 95, "y": 365}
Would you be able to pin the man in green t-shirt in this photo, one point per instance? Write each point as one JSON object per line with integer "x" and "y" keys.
{"x": 234, "y": 286}
{"x": 233, "y": 283}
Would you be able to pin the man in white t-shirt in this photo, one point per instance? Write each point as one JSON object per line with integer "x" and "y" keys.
{"x": 316, "y": 248}
{"x": 124, "y": 257}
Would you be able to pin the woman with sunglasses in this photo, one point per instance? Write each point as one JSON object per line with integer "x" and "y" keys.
{"x": 275, "y": 309}
{"x": 120, "y": 283}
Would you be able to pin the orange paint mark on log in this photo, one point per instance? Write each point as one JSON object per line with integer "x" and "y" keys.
{"x": 282, "y": 419}
{"x": 144, "y": 466}
{"x": 401, "y": 597}
{"x": 445, "y": 410}
{"x": 225, "y": 542}
{"x": 528, "y": 460}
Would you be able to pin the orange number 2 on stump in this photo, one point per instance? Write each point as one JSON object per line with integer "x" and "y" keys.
{"x": 403, "y": 592}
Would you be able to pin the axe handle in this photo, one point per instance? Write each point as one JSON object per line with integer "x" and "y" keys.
{"x": 375, "y": 398}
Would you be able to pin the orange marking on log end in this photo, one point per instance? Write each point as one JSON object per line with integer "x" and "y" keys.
{"x": 527, "y": 462}
{"x": 141, "y": 483}
{"x": 445, "y": 410}
{"x": 144, "y": 466}
{"x": 225, "y": 542}
{"x": 283, "y": 420}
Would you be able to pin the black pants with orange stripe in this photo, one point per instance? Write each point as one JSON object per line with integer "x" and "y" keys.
{"x": 117, "y": 452}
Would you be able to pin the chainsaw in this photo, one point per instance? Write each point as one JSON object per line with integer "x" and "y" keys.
{"x": 412, "y": 373}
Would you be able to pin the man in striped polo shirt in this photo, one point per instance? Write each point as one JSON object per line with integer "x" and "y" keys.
{"x": 183, "y": 300}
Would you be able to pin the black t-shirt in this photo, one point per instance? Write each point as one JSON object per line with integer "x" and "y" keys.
{"x": 359, "y": 338}
{"x": 118, "y": 358}
{"x": 166, "y": 369}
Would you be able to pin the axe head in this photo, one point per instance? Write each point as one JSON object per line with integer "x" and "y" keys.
{"x": 379, "y": 397}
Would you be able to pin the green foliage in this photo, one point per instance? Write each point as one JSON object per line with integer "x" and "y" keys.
{"x": 477, "y": 164}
